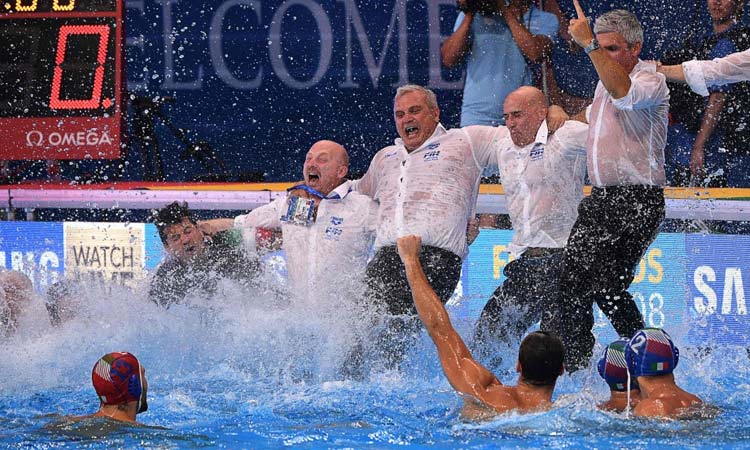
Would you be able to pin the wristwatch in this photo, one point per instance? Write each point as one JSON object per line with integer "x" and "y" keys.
{"x": 593, "y": 45}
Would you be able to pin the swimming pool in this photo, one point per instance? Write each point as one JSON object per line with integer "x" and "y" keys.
{"x": 237, "y": 372}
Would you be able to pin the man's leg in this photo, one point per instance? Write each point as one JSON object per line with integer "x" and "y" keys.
{"x": 387, "y": 286}
{"x": 580, "y": 261}
{"x": 516, "y": 305}
{"x": 639, "y": 221}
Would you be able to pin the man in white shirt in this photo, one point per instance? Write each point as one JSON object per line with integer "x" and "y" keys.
{"x": 625, "y": 156}
{"x": 542, "y": 176}
{"x": 327, "y": 230}
{"x": 427, "y": 185}
{"x": 699, "y": 75}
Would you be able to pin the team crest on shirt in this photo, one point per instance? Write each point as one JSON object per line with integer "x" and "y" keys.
{"x": 432, "y": 155}
{"x": 536, "y": 153}
{"x": 333, "y": 232}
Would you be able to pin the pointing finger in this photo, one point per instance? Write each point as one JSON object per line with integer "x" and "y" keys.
{"x": 579, "y": 10}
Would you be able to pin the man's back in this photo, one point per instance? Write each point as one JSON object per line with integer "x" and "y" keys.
{"x": 667, "y": 402}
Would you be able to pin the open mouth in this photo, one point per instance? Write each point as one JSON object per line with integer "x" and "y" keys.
{"x": 411, "y": 130}
{"x": 312, "y": 177}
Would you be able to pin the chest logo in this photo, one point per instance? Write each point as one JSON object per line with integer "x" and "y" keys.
{"x": 536, "y": 153}
{"x": 432, "y": 155}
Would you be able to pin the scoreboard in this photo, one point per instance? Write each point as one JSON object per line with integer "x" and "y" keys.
{"x": 61, "y": 76}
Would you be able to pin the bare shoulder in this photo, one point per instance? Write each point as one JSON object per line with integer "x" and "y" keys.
{"x": 501, "y": 398}
{"x": 655, "y": 407}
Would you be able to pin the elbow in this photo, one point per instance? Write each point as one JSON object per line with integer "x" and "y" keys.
{"x": 448, "y": 59}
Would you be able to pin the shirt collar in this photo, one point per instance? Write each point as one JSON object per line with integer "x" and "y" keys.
{"x": 439, "y": 131}
{"x": 542, "y": 134}
{"x": 336, "y": 194}
{"x": 340, "y": 192}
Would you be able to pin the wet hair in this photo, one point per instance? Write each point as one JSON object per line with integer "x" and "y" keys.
{"x": 171, "y": 214}
{"x": 407, "y": 88}
{"x": 620, "y": 21}
{"x": 541, "y": 356}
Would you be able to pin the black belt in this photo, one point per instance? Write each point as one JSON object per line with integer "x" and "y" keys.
{"x": 538, "y": 252}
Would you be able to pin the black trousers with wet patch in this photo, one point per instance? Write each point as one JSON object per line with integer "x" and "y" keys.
{"x": 529, "y": 294}
{"x": 614, "y": 228}
{"x": 388, "y": 288}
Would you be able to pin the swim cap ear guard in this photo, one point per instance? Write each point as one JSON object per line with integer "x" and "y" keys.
{"x": 142, "y": 401}
{"x": 613, "y": 368}
{"x": 651, "y": 352}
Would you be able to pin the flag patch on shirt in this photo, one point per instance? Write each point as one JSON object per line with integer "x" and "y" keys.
{"x": 432, "y": 156}
{"x": 536, "y": 153}
{"x": 336, "y": 220}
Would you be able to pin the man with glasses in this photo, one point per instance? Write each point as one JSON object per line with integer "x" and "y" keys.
{"x": 195, "y": 261}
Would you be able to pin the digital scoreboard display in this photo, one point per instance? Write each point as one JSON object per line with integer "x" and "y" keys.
{"x": 60, "y": 79}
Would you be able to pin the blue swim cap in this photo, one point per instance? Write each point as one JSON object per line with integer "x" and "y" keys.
{"x": 651, "y": 352}
{"x": 613, "y": 368}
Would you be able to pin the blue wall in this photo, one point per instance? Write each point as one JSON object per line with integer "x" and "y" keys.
{"x": 262, "y": 80}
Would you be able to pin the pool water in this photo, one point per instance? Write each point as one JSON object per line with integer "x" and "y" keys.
{"x": 239, "y": 372}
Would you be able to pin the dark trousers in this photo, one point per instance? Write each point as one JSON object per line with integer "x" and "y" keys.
{"x": 388, "y": 288}
{"x": 614, "y": 228}
{"x": 529, "y": 294}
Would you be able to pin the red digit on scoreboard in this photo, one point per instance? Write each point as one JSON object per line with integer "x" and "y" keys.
{"x": 55, "y": 102}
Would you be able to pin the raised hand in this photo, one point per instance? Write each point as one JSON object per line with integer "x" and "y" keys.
{"x": 579, "y": 28}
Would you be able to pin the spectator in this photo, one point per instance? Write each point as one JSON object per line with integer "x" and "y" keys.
{"x": 500, "y": 44}
{"x": 703, "y": 131}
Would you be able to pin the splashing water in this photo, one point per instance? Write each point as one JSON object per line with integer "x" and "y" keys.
{"x": 250, "y": 370}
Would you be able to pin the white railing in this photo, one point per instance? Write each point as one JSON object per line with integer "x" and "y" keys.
{"x": 677, "y": 208}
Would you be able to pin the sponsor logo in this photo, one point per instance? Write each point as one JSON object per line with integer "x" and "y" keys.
{"x": 337, "y": 220}
{"x": 88, "y": 138}
{"x": 433, "y": 146}
{"x": 432, "y": 156}
{"x": 537, "y": 153}
{"x": 333, "y": 233}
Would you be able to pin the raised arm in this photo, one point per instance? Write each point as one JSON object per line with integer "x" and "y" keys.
{"x": 455, "y": 48}
{"x": 535, "y": 47}
{"x": 464, "y": 373}
{"x": 611, "y": 73}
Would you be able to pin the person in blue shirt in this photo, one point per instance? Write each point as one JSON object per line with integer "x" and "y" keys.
{"x": 500, "y": 44}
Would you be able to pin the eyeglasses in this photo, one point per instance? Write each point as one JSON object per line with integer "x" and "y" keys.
{"x": 174, "y": 238}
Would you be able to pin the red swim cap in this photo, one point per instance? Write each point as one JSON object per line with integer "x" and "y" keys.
{"x": 117, "y": 378}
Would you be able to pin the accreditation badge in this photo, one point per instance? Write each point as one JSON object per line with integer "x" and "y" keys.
{"x": 300, "y": 211}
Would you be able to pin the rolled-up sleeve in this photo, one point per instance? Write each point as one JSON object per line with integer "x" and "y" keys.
{"x": 646, "y": 90}
{"x": 733, "y": 68}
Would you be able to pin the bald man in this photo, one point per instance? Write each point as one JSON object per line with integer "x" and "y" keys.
{"x": 542, "y": 176}
{"x": 327, "y": 230}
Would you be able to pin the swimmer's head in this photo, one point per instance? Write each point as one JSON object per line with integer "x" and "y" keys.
{"x": 540, "y": 358}
{"x": 613, "y": 368}
{"x": 651, "y": 352}
{"x": 120, "y": 378}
